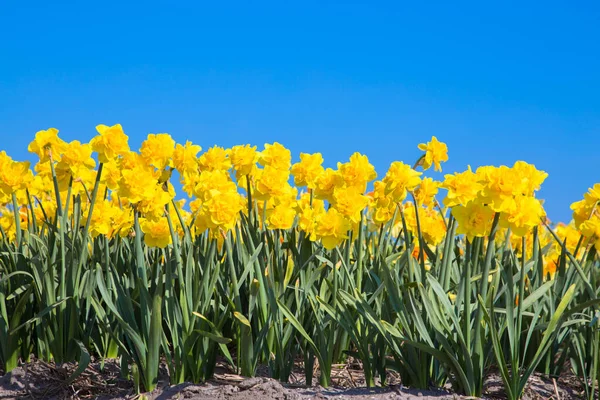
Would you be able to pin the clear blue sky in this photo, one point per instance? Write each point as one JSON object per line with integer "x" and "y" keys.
{"x": 498, "y": 83}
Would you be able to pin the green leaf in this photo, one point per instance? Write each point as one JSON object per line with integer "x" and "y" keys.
{"x": 213, "y": 336}
{"x": 537, "y": 294}
{"x": 292, "y": 319}
{"x": 84, "y": 361}
{"x": 41, "y": 314}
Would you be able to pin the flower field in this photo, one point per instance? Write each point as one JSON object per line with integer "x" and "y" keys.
{"x": 279, "y": 264}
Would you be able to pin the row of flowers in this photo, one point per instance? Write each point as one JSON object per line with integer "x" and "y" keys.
{"x": 224, "y": 184}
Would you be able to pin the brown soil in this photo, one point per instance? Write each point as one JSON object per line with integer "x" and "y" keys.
{"x": 40, "y": 380}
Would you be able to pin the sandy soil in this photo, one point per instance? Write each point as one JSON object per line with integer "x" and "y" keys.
{"x": 40, "y": 380}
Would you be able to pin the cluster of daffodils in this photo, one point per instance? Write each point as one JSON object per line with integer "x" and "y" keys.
{"x": 586, "y": 215}
{"x": 227, "y": 185}
{"x": 476, "y": 197}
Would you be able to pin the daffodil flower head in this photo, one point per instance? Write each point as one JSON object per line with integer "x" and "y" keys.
{"x": 436, "y": 152}
{"x": 158, "y": 149}
{"x": 46, "y": 144}
{"x": 276, "y": 156}
{"x": 110, "y": 142}
{"x": 308, "y": 170}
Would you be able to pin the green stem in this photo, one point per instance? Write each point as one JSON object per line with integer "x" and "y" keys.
{"x": 84, "y": 237}
{"x": 421, "y": 242}
{"x": 359, "y": 258}
{"x": 17, "y": 221}
{"x": 483, "y": 291}
{"x": 250, "y": 204}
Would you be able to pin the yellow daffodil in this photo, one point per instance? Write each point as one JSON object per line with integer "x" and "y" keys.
{"x": 276, "y": 156}
{"x": 462, "y": 188}
{"x": 45, "y": 143}
{"x": 185, "y": 157}
{"x": 243, "y": 159}
{"x": 474, "y": 219}
{"x": 158, "y": 149}
{"x": 358, "y": 172}
{"x": 332, "y": 228}
{"x": 156, "y": 232}
{"x": 110, "y": 142}
{"x": 308, "y": 170}
{"x": 399, "y": 179}
{"x": 215, "y": 158}
{"x": 436, "y": 152}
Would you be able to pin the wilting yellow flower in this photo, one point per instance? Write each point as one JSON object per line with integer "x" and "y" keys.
{"x": 399, "y": 179}
{"x": 426, "y": 191}
{"x": 308, "y": 170}
{"x": 158, "y": 149}
{"x": 156, "y": 232}
{"x": 110, "y": 142}
{"x": 45, "y": 142}
{"x": 184, "y": 157}
{"x": 326, "y": 184}
{"x": 357, "y": 172}
{"x": 215, "y": 158}
{"x": 462, "y": 188}
{"x": 243, "y": 159}
{"x": 276, "y": 156}
{"x": 436, "y": 152}
{"x": 474, "y": 219}
{"x": 332, "y": 228}
{"x": 350, "y": 202}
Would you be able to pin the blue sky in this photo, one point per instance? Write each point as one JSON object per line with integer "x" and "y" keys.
{"x": 497, "y": 82}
